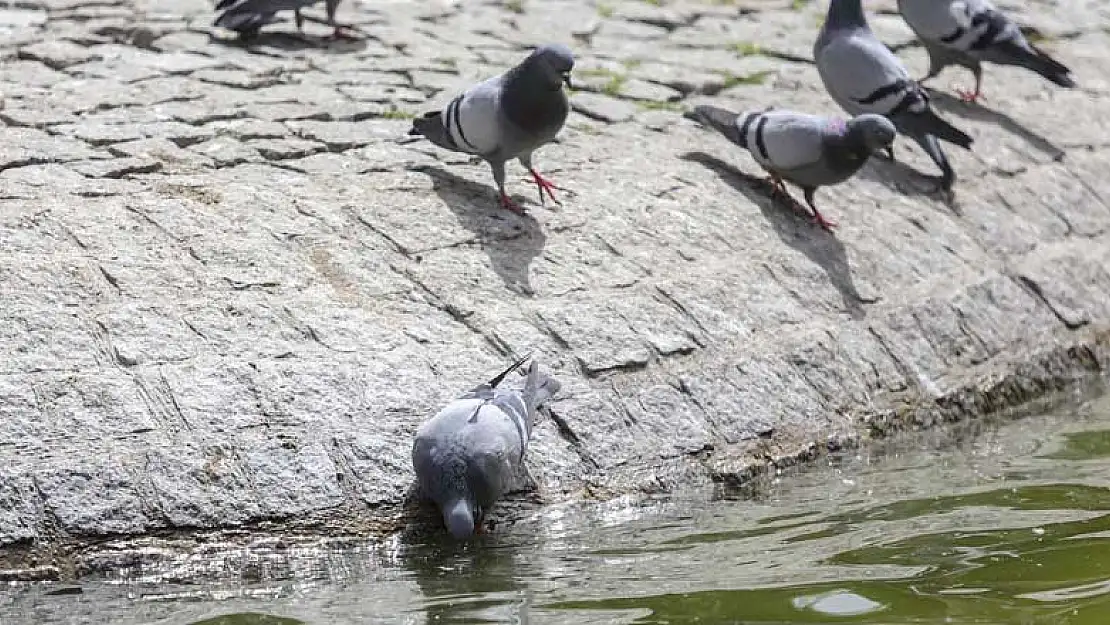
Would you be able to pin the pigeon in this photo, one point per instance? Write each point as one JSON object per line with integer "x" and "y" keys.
{"x": 968, "y": 32}
{"x": 466, "y": 455}
{"x": 808, "y": 150}
{"x": 863, "y": 76}
{"x": 508, "y": 116}
{"x": 247, "y": 17}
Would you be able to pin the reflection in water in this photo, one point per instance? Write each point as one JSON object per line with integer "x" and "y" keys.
{"x": 1012, "y": 526}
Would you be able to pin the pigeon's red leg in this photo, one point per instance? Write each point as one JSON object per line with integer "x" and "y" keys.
{"x": 972, "y": 97}
{"x": 544, "y": 185}
{"x": 969, "y": 96}
{"x": 341, "y": 35}
{"x": 817, "y": 216}
{"x": 508, "y": 204}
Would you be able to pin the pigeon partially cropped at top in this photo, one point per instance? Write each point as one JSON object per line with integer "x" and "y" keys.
{"x": 808, "y": 150}
{"x": 863, "y": 76}
{"x": 247, "y": 17}
{"x": 968, "y": 32}
{"x": 466, "y": 455}
{"x": 508, "y": 116}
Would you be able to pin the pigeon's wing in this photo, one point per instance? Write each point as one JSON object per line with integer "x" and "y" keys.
{"x": 472, "y": 119}
{"x": 247, "y": 14}
{"x": 782, "y": 140}
{"x": 864, "y": 76}
{"x": 943, "y": 21}
{"x": 512, "y": 404}
{"x": 986, "y": 34}
{"x": 494, "y": 446}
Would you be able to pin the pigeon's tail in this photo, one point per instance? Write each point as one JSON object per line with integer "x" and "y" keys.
{"x": 500, "y": 377}
{"x": 539, "y": 387}
{"x": 929, "y": 123}
{"x": 931, "y": 146}
{"x": 722, "y": 120}
{"x": 241, "y": 20}
{"x": 432, "y": 128}
{"x": 1034, "y": 59}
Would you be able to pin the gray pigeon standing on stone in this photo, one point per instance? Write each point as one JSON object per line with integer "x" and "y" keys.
{"x": 247, "y": 17}
{"x": 863, "y": 76}
{"x": 466, "y": 455}
{"x": 968, "y": 32}
{"x": 808, "y": 150}
{"x": 508, "y": 116}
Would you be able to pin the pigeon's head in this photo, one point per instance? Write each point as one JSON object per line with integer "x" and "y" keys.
{"x": 459, "y": 517}
{"x": 874, "y": 131}
{"x": 553, "y": 62}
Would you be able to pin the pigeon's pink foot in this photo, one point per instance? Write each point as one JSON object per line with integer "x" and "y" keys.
{"x": 824, "y": 223}
{"x": 341, "y": 35}
{"x": 508, "y": 204}
{"x": 545, "y": 185}
{"x": 969, "y": 96}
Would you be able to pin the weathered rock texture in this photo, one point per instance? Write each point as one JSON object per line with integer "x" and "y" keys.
{"x": 232, "y": 288}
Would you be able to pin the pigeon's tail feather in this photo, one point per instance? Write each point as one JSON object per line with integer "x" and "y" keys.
{"x": 513, "y": 367}
{"x": 931, "y": 146}
{"x": 929, "y": 123}
{"x": 237, "y": 20}
{"x": 1034, "y": 59}
{"x": 431, "y": 127}
{"x": 721, "y": 120}
{"x": 223, "y": 4}
{"x": 539, "y": 386}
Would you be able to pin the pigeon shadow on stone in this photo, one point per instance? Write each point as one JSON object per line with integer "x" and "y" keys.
{"x": 980, "y": 113}
{"x": 283, "y": 41}
{"x": 905, "y": 180}
{"x": 794, "y": 228}
{"x": 512, "y": 241}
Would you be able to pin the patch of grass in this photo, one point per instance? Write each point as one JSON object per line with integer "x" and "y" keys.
{"x": 650, "y": 105}
{"x": 613, "y": 87}
{"x": 756, "y": 78}
{"x": 395, "y": 113}
{"x": 798, "y": 5}
{"x": 605, "y": 10}
{"x": 747, "y": 48}
{"x": 516, "y": 6}
{"x": 632, "y": 63}
{"x": 614, "y": 81}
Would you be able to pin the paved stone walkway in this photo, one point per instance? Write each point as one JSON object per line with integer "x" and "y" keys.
{"x": 232, "y": 288}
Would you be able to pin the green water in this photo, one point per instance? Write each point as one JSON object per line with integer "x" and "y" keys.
{"x": 1006, "y": 524}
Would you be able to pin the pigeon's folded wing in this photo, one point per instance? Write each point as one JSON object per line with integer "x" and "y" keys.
{"x": 938, "y": 20}
{"x": 473, "y": 119}
{"x": 789, "y": 140}
{"x": 862, "y": 72}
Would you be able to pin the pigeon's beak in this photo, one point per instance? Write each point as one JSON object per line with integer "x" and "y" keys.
{"x": 566, "y": 80}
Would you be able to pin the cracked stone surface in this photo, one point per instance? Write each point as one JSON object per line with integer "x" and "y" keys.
{"x": 233, "y": 287}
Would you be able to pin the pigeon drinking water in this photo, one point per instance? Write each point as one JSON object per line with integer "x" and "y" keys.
{"x": 508, "y": 116}
{"x": 968, "y": 32}
{"x": 863, "y": 76}
{"x": 466, "y": 455}
{"x": 247, "y": 17}
{"x": 808, "y": 150}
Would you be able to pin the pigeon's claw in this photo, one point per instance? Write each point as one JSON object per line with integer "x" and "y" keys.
{"x": 971, "y": 96}
{"x": 508, "y": 204}
{"x": 824, "y": 223}
{"x": 543, "y": 184}
{"x": 339, "y": 34}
